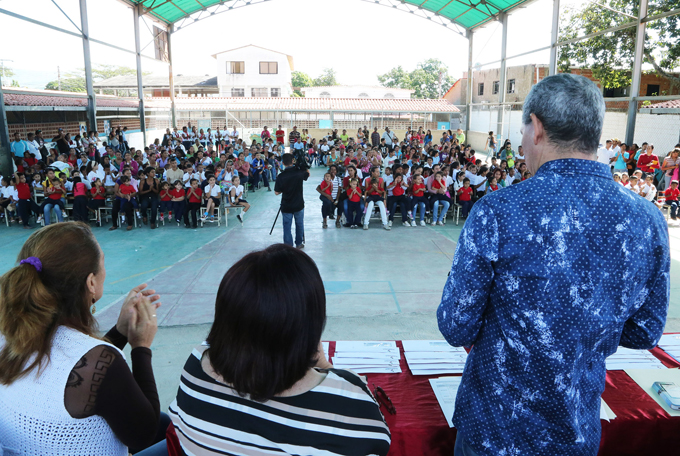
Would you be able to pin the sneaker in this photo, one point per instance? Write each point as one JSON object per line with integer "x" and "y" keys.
{"x": 365, "y": 227}
{"x": 413, "y": 223}
{"x": 406, "y": 224}
{"x": 64, "y": 214}
{"x": 269, "y": 189}
{"x": 212, "y": 219}
{"x": 387, "y": 227}
{"x": 238, "y": 216}
{"x": 203, "y": 218}
{"x": 40, "y": 219}
{"x": 301, "y": 246}
{"x": 347, "y": 225}
{"x": 162, "y": 217}
{"x": 138, "y": 215}
{"x": 422, "y": 223}
{"x": 410, "y": 215}
{"x": 337, "y": 223}
{"x": 122, "y": 219}
{"x": 434, "y": 223}
{"x": 354, "y": 227}
{"x": 440, "y": 223}
{"x": 324, "y": 225}
{"x": 169, "y": 217}
{"x": 389, "y": 223}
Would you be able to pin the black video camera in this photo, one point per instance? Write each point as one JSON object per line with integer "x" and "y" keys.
{"x": 300, "y": 159}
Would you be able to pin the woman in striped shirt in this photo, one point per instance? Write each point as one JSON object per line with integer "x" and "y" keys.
{"x": 260, "y": 384}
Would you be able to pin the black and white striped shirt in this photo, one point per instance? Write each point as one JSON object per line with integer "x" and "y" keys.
{"x": 337, "y": 417}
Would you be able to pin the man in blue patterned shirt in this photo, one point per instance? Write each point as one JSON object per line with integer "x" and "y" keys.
{"x": 550, "y": 276}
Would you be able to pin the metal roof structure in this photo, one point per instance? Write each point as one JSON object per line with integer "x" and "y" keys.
{"x": 130, "y": 81}
{"x": 459, "y": 14}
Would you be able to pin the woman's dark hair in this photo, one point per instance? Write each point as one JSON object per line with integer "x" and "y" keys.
{"x": 33, "y": 304}
{"x": 266, "y": 332}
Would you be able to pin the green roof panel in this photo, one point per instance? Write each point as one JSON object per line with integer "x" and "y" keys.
{"x": 469, "y": 14}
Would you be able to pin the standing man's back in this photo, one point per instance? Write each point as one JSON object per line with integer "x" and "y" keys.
{"x": 549, "y": 277}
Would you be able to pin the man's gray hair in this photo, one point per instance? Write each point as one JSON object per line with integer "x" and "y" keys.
{"x": 571, "y": 109}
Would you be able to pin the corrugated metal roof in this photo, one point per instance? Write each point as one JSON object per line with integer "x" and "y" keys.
{"x": 16, "y": 97}
{"x": 181, "y": 80}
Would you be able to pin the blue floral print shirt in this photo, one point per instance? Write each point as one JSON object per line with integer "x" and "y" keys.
{"x": 549, "y": 277}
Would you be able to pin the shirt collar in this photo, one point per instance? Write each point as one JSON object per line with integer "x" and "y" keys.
{"x": 575, "y": 166}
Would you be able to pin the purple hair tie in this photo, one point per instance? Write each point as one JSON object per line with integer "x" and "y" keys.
{"x": 33, "y": 261}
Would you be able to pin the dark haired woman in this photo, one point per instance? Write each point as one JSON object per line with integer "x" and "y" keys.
{"x": 262, "y": 384}
{"x": 149, "y": 189}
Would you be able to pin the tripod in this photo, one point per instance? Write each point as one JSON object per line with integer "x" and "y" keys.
{"x": 275, "y": 219}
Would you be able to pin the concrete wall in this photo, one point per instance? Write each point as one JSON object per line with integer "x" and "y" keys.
{"x": 252, "y": 56}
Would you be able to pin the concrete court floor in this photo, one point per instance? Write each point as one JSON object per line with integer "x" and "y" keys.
{"x": 186, "y": 266}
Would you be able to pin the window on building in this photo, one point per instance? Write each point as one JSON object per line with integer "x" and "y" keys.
{"x": 238, "y": 92}
{"x": 511, "y": 86}
{"x": 653, "y": 90}
{"x": 276, "y": 92}
{"x": 259, "y": 92}
{"x": 324, "y": 95}
{"x": 615, "y": 93}
{"x": 480, "y": 89}
{"x": 389, "y": 95}
{"x": 496, "y": 87}
{"x": 269, "y": 68}
{"x": 363, "y": 95}
{"x": 236, "y": 67}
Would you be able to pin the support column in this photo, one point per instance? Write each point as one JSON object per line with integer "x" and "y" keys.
{"x": 171, "y": 78}
{"x": 140, "y": 84}
{"x": 552, "y": 68}
{"x": 503, "y": 76}
{"x": 5, "y": 149}
{"x": 637, "y": 73}
{"x": 468, "y": 95}
{"x": 91, "y": 101}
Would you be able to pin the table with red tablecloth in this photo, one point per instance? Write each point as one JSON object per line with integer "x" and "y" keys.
{"x": 641, "y": 426}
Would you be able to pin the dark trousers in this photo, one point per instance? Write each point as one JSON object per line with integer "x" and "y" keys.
{"x": 166, "y": 206}
{"x": 25, "y": 208}
{"x": 354, "y": 212}
{"x": 178, "y": 209}
{"x": 403, "y": 205}
{"x": 126, "y": 207}
{"x": 257, "y": 175}
{"x": 674, "y": 208}
{"x": 327, "y": 206}
{"x": 467, "y": 207}
{"x": 193, "y": 208}
{"x": 80, "y": 209}
{"x": 150, "y": 202}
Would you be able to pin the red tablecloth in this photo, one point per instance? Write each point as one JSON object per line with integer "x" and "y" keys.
{"x": 641, "y": 426}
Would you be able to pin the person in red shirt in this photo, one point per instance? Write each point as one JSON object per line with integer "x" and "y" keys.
{"x": 648, "y": 162}
{"x": 280, "y": 135}
{"x": 178, "y": 200}
{"x": 399, "y": 188}
{"x": 79, "y": 200}
{"x": 672, "y": 195}
{"x": 375, "y": 196}
{"x": 465, "y": 197}
{"x": 194, "y": 197}
{"x": 26, "y": 205}
{"x": 354, "y": 211}
{"x": 98, "y": 198}
{"x": 166, "y": 201}
{"x": 325, "y": 189}
{"x": 418, "y": 198}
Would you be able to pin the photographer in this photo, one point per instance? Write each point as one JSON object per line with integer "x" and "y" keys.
{"x": 289, "y": 183}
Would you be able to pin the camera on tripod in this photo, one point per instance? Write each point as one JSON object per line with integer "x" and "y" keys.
{"x": 300, "y": 159}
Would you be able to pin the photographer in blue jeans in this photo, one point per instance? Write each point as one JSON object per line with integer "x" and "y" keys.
{"x": 289, "y": 184}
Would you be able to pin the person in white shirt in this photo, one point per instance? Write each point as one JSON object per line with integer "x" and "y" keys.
{"x": 211, "y": 194}
{"x": 33, "y": 146}
{"x": 235, "y": 194}
{"x": 606, "y": 155}
{"x": 648, "y": 190}
{"x": 389, "y": 137}
{"x": 233, "y": 135}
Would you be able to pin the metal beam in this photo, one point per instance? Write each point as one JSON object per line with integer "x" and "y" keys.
{"x": 5, "y": 149}
{"x": 554, "y": 36}
{"x": 91, "y": 101}
{"x": 503, "y": 75}
{"x": 601, "y": 32}
{"x": 468, "y": 95}
{"x": 173, "y": 106}
{"x": 637, "y": 72}
{"x": 140, "y": 86}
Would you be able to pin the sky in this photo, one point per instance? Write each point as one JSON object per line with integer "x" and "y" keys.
{"x": 359, "y": 39}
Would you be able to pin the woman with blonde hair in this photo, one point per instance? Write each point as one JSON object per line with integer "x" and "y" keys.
{"x": 64, "y": 391}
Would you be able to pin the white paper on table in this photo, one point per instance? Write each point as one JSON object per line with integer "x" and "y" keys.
{"x": 419, "y": 363}
{"x": 365, "y": 346}
{"x": 634, "y": 365}
{"x": 669, "y": 339}
{"x": 429, "y": 346}
{"x": 435, "y": 355}
{"x": 603, "y": 411}
{"x": 375, "y": 370}
{"x": 445, "y": 390}
{"x": 436, "y": 371}
{"x": 646, "y": 377}
{"x": 433, "y": 366}
{"x": 366, "y": 361}
{"x": 368, "y": 355}
{"x": 326, "y": 347}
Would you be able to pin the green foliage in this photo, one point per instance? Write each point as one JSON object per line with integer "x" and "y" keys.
{"x": 430, "y": 79}
{"x": 327, "y": 78}
{"x": 6, "y": 72}
{"x": 611, "y": 55}
{"x": 300, "y": 79}
{"x": 75, "y": 81}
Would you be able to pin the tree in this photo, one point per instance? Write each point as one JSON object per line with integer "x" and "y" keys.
{"x": 430, "y": 79}
{"x": 299, "y": 79}
{"x": 7, "y": 73}
{"x": 610, "y": 56}
{"x": 327, "y": 78}
{"x": 75, "y": 81}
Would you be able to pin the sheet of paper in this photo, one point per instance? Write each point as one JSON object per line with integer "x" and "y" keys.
{"x": 613, "y": 365}
{"x": 375, "y": 355}
{"x": 669, "y": 339}
{"x": 611, "y": 415}
{"x": 459, "y": 367}
{"x": 435, "y": 355}
{"x": 646, "y": 377}
{"x": 436, "y": 372}
{"x": 326, "y": 347}
{"x": 365, "y": 361}
{"x": 376, "y": 370}
{"x": 365, "y": 346}
{"x": 429, "y": 346}
{"x": 445, "y": 390}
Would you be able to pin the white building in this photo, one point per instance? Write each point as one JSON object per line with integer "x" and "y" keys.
{"x": 355, "y": 91}
{"x": 253, "y": 71}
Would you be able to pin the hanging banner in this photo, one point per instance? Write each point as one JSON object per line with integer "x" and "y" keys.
{"x": 160, "y": 40}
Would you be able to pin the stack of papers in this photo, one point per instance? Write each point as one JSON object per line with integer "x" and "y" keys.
{"x": 605, "y": 411}
{"x": 326, "y": 347}
{"x": 626, "y": 358}
{"x": 367, "y": 357}
{"x": 445, "y": 389}
{"x": 670, "y": 343}
{"x": 434, "y": 357}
